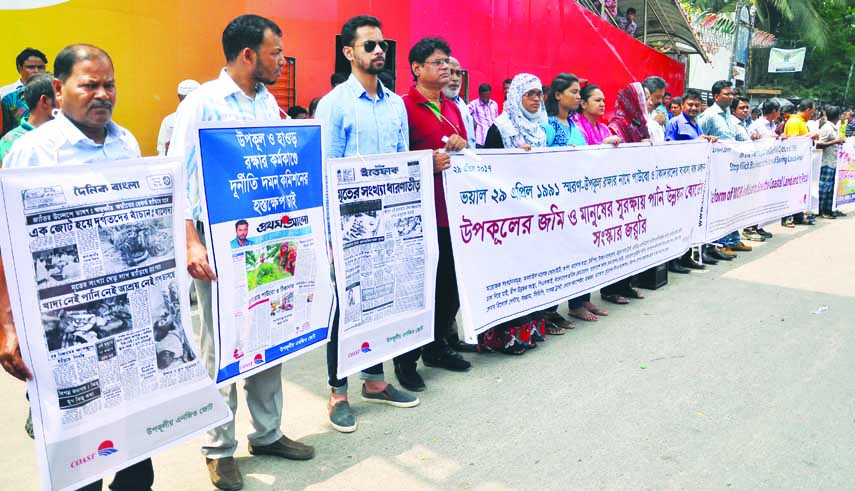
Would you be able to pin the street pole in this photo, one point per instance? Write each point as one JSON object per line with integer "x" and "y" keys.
{"x": 846, "y": 94}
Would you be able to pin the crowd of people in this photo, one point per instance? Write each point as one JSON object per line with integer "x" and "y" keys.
{"x": 66, "y": 118}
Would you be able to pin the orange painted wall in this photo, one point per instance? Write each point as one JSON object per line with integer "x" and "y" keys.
{"x": 156, "y": 44}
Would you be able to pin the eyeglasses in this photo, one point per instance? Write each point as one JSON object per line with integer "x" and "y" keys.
{"x": 533, "y": 93}
{"x": 438, "y": 63}
{"x": 458, "y": 73}
{"x": 370, "y": 46}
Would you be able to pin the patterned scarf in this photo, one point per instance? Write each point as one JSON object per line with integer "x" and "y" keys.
{"x": 630, "y": 119}
{"x": 518, "y": 126}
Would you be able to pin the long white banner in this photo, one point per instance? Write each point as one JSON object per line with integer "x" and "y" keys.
{"x": 99, "y": 300}
{"x": 532, "y": 229}
{"x": 757, "y": 182}
{"x": 383, "y": 229}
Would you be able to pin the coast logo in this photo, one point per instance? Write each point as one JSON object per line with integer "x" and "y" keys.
{"x": 258, "y": 359}
{"x": 106, "y": 448}
{"x": 366, "y": 348}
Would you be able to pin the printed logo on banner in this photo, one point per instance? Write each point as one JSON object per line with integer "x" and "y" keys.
{"x": 106, "y": 448}
{"x": 258, "y": 360}
{"x": 366, "y": 347}
{"x": 41, "y": 197}
{"x": 160, "y": 181}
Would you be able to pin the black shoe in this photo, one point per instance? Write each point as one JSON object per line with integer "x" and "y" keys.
{"x": 447, "y": 359}
{"x": 410, "y": 379}
{"x": 688, "y": 262}
{"x": 839, "y": 214}
{"x": 675, "y": 267}
{"x": 713, "y": 253}
{"x": 709, "y": 259}
{"x": 460, "y": 346}
{"x": 764, "y": 233}
{"x": 829, "y": 216}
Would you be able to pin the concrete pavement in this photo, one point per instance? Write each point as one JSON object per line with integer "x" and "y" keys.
{"x": 739, "y": 377}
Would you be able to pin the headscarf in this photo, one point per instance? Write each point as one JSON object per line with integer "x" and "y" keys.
{"x": 630, "y": 119}
{"x": 594, "y": 136}
{"x": 516, "y": 125}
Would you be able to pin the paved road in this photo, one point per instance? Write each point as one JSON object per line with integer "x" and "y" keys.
{"x": 740, "y": 377}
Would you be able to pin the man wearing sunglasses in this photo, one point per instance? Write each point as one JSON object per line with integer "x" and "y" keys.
{"x": 433, "y": 117}
{"x": 361, "y": 116}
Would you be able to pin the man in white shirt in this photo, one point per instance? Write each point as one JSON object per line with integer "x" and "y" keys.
{"x": 164, "y": 136}
{"x": 452, "y": 91}
{"x": 254, "y": 58}
{"x": 83, "y": 133}
{"x": 764, "y": 126}
{"x": 829, "y": 140}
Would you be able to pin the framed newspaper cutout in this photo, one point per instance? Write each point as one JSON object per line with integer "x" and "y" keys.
{"x": 262, "y": 187}
{"x": 99, "y": 299}
{"x": 383, "y": 229}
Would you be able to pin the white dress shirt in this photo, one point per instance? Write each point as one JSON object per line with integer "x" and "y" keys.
{"x": 217, "y": 100}
{"x": 164, "y": 136}
{"x": 59, "y": 142}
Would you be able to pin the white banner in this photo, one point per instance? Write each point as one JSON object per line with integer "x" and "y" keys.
{"x": 383, "y": 228}
{"x": 100, "y": 306}
{"x": 786, "y": 60}
{"x": 263, "y": 201}
{"x": 756, "y": 183}
{"x": 532, "y": 229}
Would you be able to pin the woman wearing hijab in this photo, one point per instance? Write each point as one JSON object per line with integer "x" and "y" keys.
{"x": 630, "y": 124}
{"x": 519, "y": 126}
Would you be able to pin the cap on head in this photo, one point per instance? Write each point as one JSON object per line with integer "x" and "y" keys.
{"x": 187, "y": 86}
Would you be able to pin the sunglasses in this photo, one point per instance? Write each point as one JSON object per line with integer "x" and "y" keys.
{"x": 370, "y": 46}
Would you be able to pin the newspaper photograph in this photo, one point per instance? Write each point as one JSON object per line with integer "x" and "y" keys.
{"x": 383, "y": 230}
{"x": 263, "y": 203}
{"x": 100, "y": 305}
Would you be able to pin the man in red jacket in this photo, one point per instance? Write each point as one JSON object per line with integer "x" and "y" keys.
{"x": 432, "y": 118}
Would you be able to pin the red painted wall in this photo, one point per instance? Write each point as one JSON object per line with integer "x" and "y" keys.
{"x": 494, "y": 39}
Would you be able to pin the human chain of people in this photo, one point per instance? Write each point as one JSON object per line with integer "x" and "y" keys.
{"x": 423, "y": 206}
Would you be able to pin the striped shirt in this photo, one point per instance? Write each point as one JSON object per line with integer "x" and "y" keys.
{"x": 483, "y": 116}
{"x": 218, "y": 100}
{"x": 715, "y": 122}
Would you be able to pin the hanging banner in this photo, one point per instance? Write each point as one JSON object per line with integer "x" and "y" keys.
{"x": 786, "y": 60}
{"x": 532, "y": 229}
{"x": 844, "y": 178}
{"x": 99, "y": 301}
{"x": 263, "y": 202}
{"x": 756, "y": 183}
{"x": 383, "y": 229}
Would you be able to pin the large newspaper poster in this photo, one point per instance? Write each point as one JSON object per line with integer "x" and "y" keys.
{"x": 757, "y": 182}
{"x": 383, "y": 229}
{"x": 263, "y": 206}
{"x": 532, "y": 229}
{"x": 844, "y": 178}
{"x": 100, "y": 304}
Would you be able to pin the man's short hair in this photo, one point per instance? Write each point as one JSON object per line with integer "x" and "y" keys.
{"x": 718, "y": 86}
{"x": 484, "y": 88}
{"x": 65, "y": 60}
{"x": 806, "y": 105}
{"x": 832, "y": 112}
{"x": 338, "y": 78}
{"x": 769, "y": 107}
{"x": 737, "y": 101}
{"x": 348, "y": 30}
{"x": 27, "y": 53}
{"x": 692, "y": 94}
{"x": 654, "y": 83}
{"x": 677, "y": 100}
{"x": 295, "y": 111}
{"x": 246, "y": 31}
{"x": 630, "y": 11}
{"x": 508, "y": 81}
{"x": 241, "y": 222}
{"x": 40, "y": 84}
{"x": 788, "y": 108}
{"x": 420, "y": 51}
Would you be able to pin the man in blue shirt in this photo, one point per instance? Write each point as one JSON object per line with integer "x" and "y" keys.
{"x": 241, "y": 231}
{"x": 362, "y": 117}
{"x": 684, "y": 126}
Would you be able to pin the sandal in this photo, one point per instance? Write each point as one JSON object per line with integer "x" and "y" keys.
{"x": 554, "y": 330}
{"x": 595, "y": 310}
{"x": 584, "y": 315}
{"x": 559, "y": 321}
{"x": 615, "y": 299}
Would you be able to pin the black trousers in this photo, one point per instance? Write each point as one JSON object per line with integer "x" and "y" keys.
{"x": 332, "y": 357}
{"x": 446, "y": 304}
{"x": 138, "y": 477}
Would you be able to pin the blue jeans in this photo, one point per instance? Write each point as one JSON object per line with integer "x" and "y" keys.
{"x": 730, "y": 239}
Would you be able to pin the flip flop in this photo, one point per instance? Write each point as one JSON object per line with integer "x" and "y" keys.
{"x": 595, "y": 310}
{"x": 559, "y": 320}
{"x": 586, "y": 316}
{"x": 615, "y": 299}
